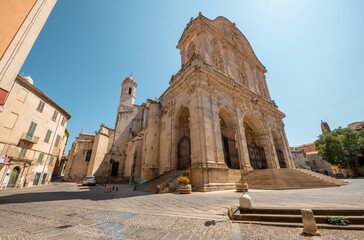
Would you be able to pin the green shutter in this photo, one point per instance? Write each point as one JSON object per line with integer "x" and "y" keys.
{"x": 40, "y": 158}
{"x": 57, "y": 141}
{"x": 51, "y": 161}
{"x": 31, "y": 131}
{"x": 22, "y": 153}
{"x": 48, "y": 136}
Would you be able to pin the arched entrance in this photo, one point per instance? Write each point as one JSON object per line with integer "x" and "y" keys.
{"x": 183, "y": 139}
{"x": 14, "y": 177}
{"x": 278, "y": 145}
{"x": 254, "y": 138}
{"x": 228, "y": 127}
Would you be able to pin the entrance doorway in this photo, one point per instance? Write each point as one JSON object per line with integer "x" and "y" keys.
{"x": 14, "y": 177}
{"x": 257, "y": 156}
{"x": 183, "y": 139}
{"x": 184, "y": 153}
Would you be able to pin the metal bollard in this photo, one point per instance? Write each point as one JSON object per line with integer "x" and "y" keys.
{"x": 112, "y": 187}
{"x": 117, "y": 188}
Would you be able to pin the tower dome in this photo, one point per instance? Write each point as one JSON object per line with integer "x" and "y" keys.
{"x": 29, "y": 79}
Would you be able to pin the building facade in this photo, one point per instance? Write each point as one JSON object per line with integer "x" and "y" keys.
{"x": 300, "y": 159}
{"x": 32, "y": 136}
{"x": 220, "y": 95}
{"x": 21, "y": 22}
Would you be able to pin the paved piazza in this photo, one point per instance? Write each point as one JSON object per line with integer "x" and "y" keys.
{"x": 70, "y": 211}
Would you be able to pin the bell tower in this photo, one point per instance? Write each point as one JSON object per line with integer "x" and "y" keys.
{"x": 128, "y": 88}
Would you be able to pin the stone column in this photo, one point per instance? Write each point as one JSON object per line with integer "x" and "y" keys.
{"x": 218, "y": 148}
{"x": 267, "y": 141}
{"x": 274, "y": 155}
{"x": 242, "y": 144}
{"x": 286, "y": 150}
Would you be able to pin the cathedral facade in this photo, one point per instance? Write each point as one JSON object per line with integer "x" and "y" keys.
{"x": 216, "y": 113}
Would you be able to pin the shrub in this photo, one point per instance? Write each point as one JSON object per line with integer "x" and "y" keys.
{"x": 337, "y": 220}
{"x": 183, "y": 180}
{"x": 298, "y": 166}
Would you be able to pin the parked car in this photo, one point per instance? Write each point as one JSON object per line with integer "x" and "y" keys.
{"x": 89, "y": 180}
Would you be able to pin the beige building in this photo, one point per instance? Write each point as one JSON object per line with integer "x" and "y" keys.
{"x": 32, "y": 135}
{"x": 300, "y": 159}
{"x": 21, "y": 22}
{"x": 220, "y": 92}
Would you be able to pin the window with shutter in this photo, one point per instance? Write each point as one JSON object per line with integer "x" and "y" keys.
{"x": 55, "y": 114}
{"x": 40, "y": 106}
{"x": 22, "y": 153}
{"x": 57, "y": 141}
{"x": 31, "y": 131}
{"x": 63, "y": 121}
{"x": 51, "y": 160}
{"x": 40, "y": 158}
{"x": 48, "y": 136}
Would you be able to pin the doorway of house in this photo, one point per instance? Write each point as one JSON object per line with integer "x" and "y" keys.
{"x": 14, "y": 177}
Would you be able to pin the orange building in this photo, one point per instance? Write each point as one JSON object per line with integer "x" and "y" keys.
{"x": 21, "y": 22}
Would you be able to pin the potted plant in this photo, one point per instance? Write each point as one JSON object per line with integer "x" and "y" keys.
{"x": 184, "y": 187}
{"x": 240, "y": 187}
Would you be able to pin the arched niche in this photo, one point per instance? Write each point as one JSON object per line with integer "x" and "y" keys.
{"x": 254, "y": 135}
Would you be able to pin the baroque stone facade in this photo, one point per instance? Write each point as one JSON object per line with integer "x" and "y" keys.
{"x": 219, "y": 93}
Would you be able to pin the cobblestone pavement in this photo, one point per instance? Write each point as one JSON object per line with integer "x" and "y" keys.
{"x": 70, "y": 211}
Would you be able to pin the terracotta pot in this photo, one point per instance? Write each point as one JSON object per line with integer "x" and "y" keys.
{"x": 239, "y": 187}
{"x": 185, "y": 189}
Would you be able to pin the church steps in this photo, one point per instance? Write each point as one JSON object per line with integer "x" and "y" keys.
{"x": 284, "y": 178}
{"x": 166, "y": 181}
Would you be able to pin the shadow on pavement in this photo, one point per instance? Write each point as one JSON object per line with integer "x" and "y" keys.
{"x": 95, "y": 193}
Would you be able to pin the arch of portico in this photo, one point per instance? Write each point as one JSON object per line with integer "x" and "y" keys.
{"x": 228, "y": 126}
{"x": 258, "y": 147}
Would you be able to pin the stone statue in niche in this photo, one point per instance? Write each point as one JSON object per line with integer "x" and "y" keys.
{"x": 243, "y": 79}
{"x": 190, "y": 51}
{"x": 217, "y": 62}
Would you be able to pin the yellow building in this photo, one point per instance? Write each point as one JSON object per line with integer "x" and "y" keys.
{"x": 32, "y": 135}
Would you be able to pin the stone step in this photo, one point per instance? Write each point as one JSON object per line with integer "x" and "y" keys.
{"x": 285, "y": 215}
{"x": 358, "y": 220}
{"x": 320, "y": 225}
{"x": 297, "y": 211}
{"x": 285, "y": 178}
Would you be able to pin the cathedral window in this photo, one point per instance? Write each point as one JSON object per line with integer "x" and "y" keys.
{"x": 88, "y": 155}
{"x": 130, "y": 90}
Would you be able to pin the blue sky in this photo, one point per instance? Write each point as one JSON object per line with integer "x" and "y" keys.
{"x": 313, "y": 51}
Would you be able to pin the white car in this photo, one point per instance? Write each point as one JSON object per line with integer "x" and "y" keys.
{"x": 89, "y": 180}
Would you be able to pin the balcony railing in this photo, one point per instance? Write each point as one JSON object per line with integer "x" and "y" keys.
{"x": 29, "y": 138}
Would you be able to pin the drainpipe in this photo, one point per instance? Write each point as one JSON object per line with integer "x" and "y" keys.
{"x": 50, "y": 148}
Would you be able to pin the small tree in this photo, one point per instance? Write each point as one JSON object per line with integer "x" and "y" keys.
{"x": 341, "y": 147}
